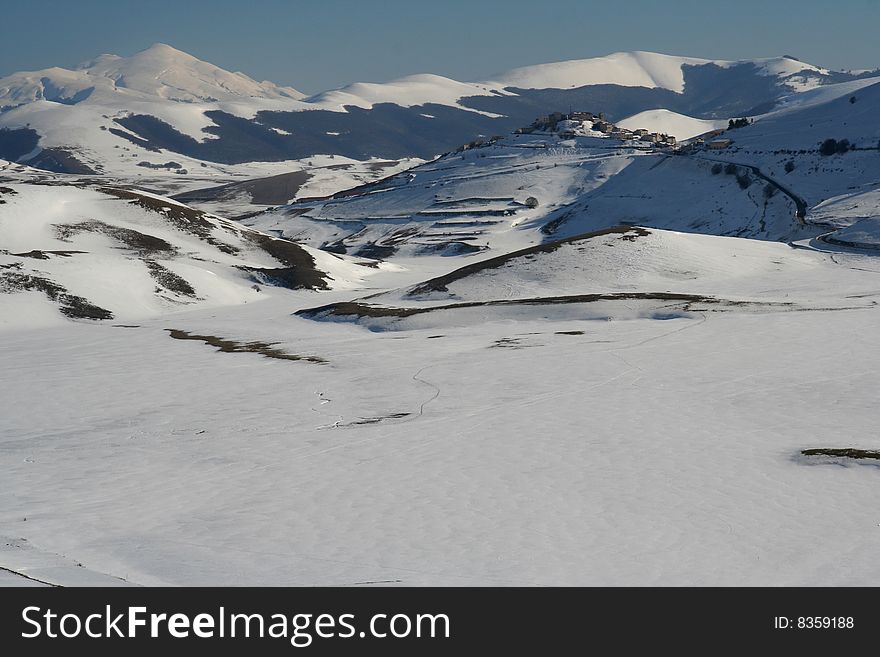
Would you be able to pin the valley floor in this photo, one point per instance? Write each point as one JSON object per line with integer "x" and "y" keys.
{"x": 529, "y": 452}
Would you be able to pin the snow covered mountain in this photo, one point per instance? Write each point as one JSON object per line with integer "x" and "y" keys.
{"x": 650, "y": 70}
{"x": 163, "y": 103}
{"x": 159, "y": 71}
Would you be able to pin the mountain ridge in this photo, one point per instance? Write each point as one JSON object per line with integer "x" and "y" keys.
{"x": 162, "y": 100}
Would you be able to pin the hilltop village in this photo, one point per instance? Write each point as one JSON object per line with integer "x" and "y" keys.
{"x": 580, "y": 124}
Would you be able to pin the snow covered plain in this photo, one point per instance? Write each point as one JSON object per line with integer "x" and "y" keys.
{"x": 529, "y": 451}
{"x": 633, "y": 442}
{"x": 624, "y": 407}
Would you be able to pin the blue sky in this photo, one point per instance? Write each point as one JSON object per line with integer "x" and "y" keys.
{"x": 315, "y": 45}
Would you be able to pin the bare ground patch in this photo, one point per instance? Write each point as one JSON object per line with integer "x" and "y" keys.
{"x": 358, "y": 309}
{"x": 272, "y": 190}
{"x": 71, "y": 305}
{"x": 44, "y": 255}
{"x": 299, "y": 272}
{"x": 843, "y": 452}
{"x": 169, "y": 280}
{"x": 142, "y": 243}
{"x": 266, "y": 349}
{"x": 5, "y": 191}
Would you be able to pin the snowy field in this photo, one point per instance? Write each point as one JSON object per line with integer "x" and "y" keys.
{"x": 530, "y": 452}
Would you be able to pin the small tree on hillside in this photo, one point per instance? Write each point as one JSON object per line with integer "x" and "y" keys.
{"x": 828, "y": 147}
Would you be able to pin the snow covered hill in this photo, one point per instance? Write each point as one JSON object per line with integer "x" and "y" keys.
{"x": 620, "y": 273}
{"x": 478, "y": 200}
{"x": 109, "y": 253}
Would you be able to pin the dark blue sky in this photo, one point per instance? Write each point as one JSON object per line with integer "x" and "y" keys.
{"x": 315, "y": 45}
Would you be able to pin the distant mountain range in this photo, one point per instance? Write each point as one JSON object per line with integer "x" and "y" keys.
{"x": 163, "y": 103}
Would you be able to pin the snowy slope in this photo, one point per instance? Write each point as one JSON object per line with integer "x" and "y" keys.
{"x": 534, "y": 451}
{"x": 641, "y": 69}
{"x": 628, "y": 69}
{"x": 619, "y": 273}
{"x": 475, "y": 200}
{"x": 405, "y": 92}
{"x": 115, "y": 254}
{"x": 667, "y": 122}
{"x": 786, "y": 146}
{"x": 463, "y": 202}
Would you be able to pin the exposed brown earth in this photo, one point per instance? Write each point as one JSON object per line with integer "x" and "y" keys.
{"x": 845, "y": 452}
{"x": 143, "y": 243}
{"x": 354, "y": 308}
{"x": 76, "y": 307}
{"x": 272, "y": 190}
{"x": 234, "y": 346}
{"x": 169, "y": 280}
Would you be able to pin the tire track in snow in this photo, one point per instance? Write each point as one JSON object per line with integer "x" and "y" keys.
{"x": 436, "y": 394}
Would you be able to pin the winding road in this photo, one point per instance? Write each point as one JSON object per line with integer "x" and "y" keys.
{"x": 800, "y": 204}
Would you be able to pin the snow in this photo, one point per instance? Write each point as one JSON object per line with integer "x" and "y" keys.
{"x": 650, "y": 434}
{"x": 672, "y": 123}
{"x": 408, "y": 91}
{"x": 114, "y": 275}
{"x": 634, "y": 69}
{"x": 821, "y": 95}
{"x": 864, "y": 233}
{"x": 847, "y": 208}
{"x": 784, "y": 67}
{"x": 160, "y": 71}
{"x": 628, "y": 69}
{"x": 641, "y": 452}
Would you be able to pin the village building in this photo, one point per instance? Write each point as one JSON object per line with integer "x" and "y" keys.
{"x": 718, "y": 144}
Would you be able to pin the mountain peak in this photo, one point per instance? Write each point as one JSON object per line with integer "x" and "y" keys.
{"x": 164, "y": 47}
{"x": 164, "y": 71}
{"x": 165, "y": 52}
